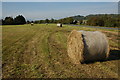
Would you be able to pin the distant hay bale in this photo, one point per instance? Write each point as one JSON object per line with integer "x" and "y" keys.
{"x": 59, "y": 25}
{"x": 46, "y": 23}
{"x": 32, "y": 24}
{"x": 87, "y": 46}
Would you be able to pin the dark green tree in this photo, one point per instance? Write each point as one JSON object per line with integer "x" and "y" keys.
{"x": 1, "y": 21}
{"x": 28, "y": 22}
{"x": 19, "y": 20}
{"x": 41, "y": 21}
{"x": 8, "y": 21}
{"x": 47, "y": 21}
{"x": 52, "y": 20}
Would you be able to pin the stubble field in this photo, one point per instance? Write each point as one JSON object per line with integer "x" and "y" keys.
{"x": 40, "y": 51}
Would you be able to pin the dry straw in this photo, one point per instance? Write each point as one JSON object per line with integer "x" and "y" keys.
{"x": 87, "y": 46}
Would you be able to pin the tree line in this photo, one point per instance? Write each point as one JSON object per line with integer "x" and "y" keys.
{"x": 44, "y": 21}
{"x": 18, "y": 20}
{"x": 107, "y": 20}
{"x": 68, "y": 20}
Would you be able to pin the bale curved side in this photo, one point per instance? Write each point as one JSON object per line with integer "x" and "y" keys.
{"x": 87, "y": 46}
{"x": 75, "y": 47}
{"x": 96, "y": 45}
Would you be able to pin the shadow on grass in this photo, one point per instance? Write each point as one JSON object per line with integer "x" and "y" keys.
{"x": 114, "y": 55}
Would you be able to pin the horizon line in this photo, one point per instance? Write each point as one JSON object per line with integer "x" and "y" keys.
{"x": 62, "y": 17}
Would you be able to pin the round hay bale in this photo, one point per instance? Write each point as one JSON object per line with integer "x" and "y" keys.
{"x": 32, "y": 24}
{"x": 87, "y": 46}
{"x": 59, "y": 25}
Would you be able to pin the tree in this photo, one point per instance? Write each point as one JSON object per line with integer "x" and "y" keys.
{"x": 8, "y": 21}
{"x": 1, "y": 21}
{"x": 47, "y": 21}
{"x": 36, "y": 22}
{"x": 19, "y": 20}
{"x": 28, "y": 22}
{"x": 41, "y": 21}
{"x": 96, "y": 21}
{"x": 70, "y": 20}
{"x": 52, "y": 20}
{"x": 80, "y": 21}
{"x": 100, "y": 22}
{"x": 110, "y": 23}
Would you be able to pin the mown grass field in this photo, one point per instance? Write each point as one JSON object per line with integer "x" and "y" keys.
{"x": 40, "y": 51}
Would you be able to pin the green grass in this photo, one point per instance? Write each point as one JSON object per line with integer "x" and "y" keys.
{"x": 40, "y": 51}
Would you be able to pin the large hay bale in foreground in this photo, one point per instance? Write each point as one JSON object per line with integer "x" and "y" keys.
{"x": 87, "y": 46}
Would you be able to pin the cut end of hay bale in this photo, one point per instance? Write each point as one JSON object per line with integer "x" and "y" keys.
{"x": 75, "y": 47}
{"x": 87, "y": 46}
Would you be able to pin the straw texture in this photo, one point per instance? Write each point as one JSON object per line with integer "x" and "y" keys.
{"x": 87, "y": 46}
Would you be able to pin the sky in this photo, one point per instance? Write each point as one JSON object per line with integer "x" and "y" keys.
{"x": 56, "y": 10}
{"x": 59, "y": 0}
